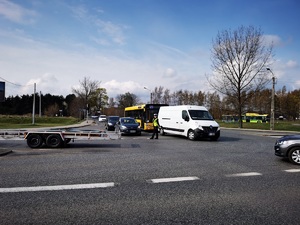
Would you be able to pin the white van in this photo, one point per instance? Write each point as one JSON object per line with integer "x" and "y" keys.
{"x": 190, "y": 121}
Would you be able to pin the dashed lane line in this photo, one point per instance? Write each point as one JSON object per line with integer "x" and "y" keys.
{"x": 57, "y": 187}
{"x": 172, "y": 179}
{"x": 292, "y": 170}
{"x": 244, "y": 174}
{"x": 112, "y": 184}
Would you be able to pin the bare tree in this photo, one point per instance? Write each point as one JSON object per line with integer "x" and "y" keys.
{"x": 239, "y": 61}
{"x": 127, "y": 99}
{"x": 166, "y": 97}
{"x": 111, "y": 102}
{"x": 157, "y": 95}
{"x": 86, "y": 91}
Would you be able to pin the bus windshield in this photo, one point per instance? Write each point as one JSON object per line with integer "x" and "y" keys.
{"x": 143, "y": 114}
{"x": 200, "y": 115}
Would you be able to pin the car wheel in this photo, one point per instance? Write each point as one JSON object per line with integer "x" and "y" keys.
{"x": 191, "y": 135}
{"x": 294, "y": 155}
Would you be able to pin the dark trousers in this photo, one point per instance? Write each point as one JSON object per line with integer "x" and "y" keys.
{"x": 155, "y": 133}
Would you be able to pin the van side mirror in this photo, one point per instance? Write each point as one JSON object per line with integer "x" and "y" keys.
{"x": 187, "y": 118}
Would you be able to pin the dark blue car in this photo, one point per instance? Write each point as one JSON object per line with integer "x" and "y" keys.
{"x": 111, "y": 122}
{"x": 128, "y": 125}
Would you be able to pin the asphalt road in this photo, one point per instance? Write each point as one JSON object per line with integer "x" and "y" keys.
{"x": 135, "y": 180}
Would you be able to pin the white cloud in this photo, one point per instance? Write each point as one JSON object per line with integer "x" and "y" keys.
{"x": 291, "y": 64}
{"x": 16, "y": 13}
{"x": 169, "y": 72}
{"x": 45, "y": 84}
{"x": 107, "y": 30}
{"x": 114, "y": 31}
{"x": 114, "y": 86}
{"x": 272, "y": 40}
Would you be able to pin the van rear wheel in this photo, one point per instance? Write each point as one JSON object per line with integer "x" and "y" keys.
{"x": 191, "y": 135}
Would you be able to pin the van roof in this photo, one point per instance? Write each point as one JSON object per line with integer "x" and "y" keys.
{"x": 187, "y": 107}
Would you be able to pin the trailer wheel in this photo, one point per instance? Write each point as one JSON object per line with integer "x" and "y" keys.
{"x": 53, "y": 141}
{"x": 34, "y": 141}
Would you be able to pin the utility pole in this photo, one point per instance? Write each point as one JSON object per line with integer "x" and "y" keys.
{"x": 33, "y": 107}
{"x": 40, "y": 108}
{"x": 150, "y": 94}
{"x": 272, "y": 119}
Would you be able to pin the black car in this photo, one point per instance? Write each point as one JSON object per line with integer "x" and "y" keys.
{"x": 111, "y": 122}
{"x": 128, "y": 125}
{"x": 289, "y": 147}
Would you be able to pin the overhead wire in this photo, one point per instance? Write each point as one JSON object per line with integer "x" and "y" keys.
{"x": 15, "y": 83}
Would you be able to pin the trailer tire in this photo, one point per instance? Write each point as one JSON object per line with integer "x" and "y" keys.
{"x": 53, "y": 141}
{"x": 34, "y": 141}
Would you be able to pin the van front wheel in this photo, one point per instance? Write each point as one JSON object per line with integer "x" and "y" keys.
{"x": 191, "y": 135}
{"x": 161, "y": 131}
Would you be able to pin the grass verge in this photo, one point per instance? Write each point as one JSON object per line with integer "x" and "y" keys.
{"x": 278, "y": 125}
{"x": 22, "y": 122}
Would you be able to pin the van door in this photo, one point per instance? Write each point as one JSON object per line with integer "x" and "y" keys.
{"x": 184, "y": 123}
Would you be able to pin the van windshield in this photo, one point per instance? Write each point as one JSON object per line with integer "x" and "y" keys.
{"x": 200, "y": 115}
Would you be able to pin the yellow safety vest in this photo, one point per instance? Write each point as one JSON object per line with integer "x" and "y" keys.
{"x": 155, "y": 122}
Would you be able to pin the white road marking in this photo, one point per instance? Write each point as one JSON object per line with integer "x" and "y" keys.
{"x": 56, "y": 187}
{"x": 292, "y": 170}
{"x": 244, "y": 174}
{"x": 173, "y": 179}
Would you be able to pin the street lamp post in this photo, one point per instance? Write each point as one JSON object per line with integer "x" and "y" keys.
{"x": 33, "y": 104}
{"x": 272, "y": 101}
{"x": 150, "y": 94}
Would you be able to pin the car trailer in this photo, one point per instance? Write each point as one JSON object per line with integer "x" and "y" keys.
{"x": 61, "y": 137}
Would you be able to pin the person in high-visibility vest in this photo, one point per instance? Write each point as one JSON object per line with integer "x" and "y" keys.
{"x": 155, "y": 127}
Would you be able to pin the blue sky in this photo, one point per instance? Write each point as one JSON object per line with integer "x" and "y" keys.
{"x": 131, "y": 44}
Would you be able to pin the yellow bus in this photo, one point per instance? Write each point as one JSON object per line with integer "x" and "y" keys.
{"x": 143, "y": 114}
{"x": 255, "y": 118}
{"x": 230, "y": 118}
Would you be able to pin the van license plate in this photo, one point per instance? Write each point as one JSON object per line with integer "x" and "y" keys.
{"x": 132, "y": 131}
{"x": 211, "y": 134}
